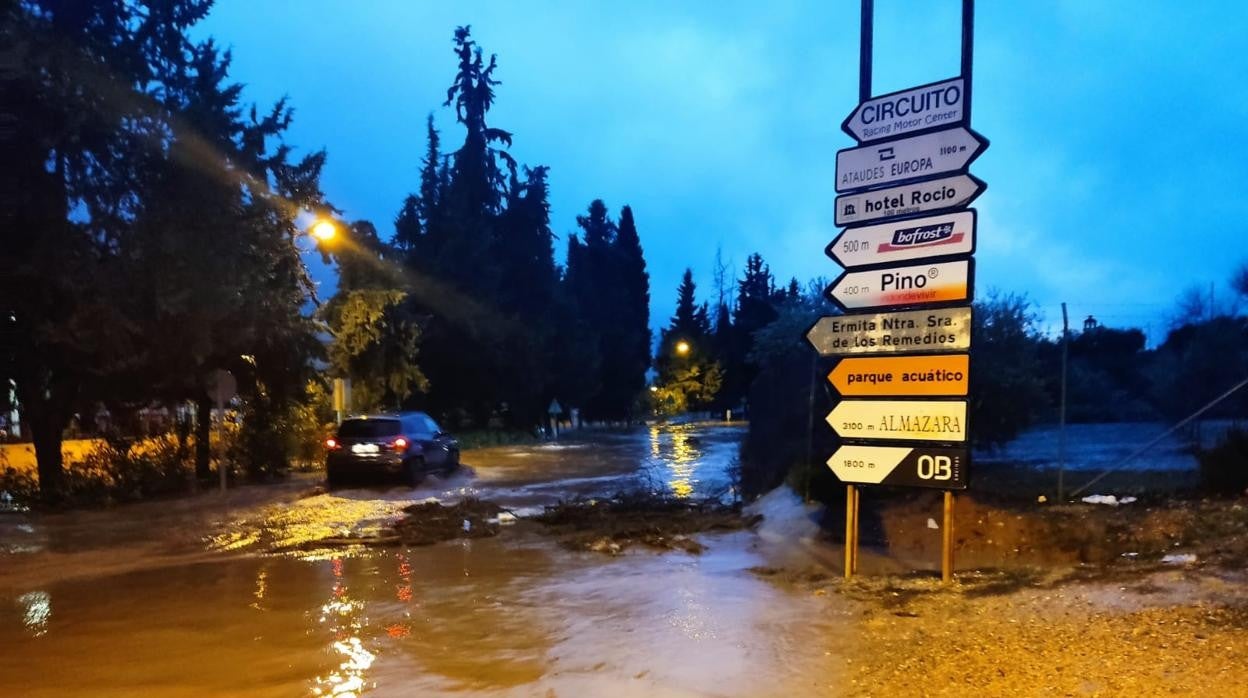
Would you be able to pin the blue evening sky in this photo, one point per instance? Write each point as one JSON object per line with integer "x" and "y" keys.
{"x": 1116, "y": 175}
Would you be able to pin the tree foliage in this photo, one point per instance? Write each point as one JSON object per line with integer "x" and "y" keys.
{"x": 149, "y": 219}
{"x": 376, "y": 344}
{"x": 689, "y": 376}
{"x": 505, "y": 330}
{"x": 1007, "y": 390}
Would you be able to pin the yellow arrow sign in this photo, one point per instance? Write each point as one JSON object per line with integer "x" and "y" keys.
{"x": 887, "y": 376}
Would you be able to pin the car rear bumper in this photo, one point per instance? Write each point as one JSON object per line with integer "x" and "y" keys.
{"x": 353, "y": 464}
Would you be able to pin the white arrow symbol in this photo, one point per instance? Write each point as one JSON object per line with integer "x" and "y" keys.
{"x": 926, "y": 196}
{"x": 919, "y": 284}
{"x": 868, "y": 465}
{"x": 907, "y": 111}
{"x": 927, "y": 155}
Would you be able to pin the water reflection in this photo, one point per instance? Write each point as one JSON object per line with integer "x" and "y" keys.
{"x": 297, "y": 525}
{"x": 676, "y": 455}
{"x": 344, "y": 617}
{"x": 262, "y": 586}
{"x": 36, "y": 611}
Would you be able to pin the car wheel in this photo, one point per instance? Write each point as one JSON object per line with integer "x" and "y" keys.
{"x": 333, "y": 478}
{"x": 452, "y": 463}
{"x": 414, "y": 471}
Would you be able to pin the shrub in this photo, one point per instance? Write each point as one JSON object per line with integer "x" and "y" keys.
{"x": 1224, "y": 468}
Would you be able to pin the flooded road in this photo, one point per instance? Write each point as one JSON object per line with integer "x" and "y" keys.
{"x": 222, "y": 596}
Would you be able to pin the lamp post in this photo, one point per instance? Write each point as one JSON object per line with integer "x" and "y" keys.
{"x": 324, "y": 230}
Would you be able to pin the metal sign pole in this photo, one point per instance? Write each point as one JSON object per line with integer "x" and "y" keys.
{"x": 865, "y": 50}
{"x": 946, "y": 543}
{"x": 864, "y": 94}
{"x": 857, "y": 529}
{"x": 968, "y": 44}
{"x": 851, "y": 530}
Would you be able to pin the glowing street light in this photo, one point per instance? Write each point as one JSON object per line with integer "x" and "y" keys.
{"x": 682, "y": 348}
{"x": 324, "y": 230}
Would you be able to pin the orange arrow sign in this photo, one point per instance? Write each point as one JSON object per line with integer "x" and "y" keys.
{"x": 894, "y": 376}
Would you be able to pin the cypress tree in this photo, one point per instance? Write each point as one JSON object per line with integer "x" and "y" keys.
{"x": 598, "y": 298}
{"x": 576, "y": 357}
{"x": 633, "y": 315}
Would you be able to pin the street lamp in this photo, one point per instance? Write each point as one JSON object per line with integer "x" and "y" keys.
{"x": 324, "y": 230}
{"x": 682, "y": 348}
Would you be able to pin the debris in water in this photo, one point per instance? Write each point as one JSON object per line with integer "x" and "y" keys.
{"x": 428, "y": 523}
{"x": 931, "y": 523}
{"x": 612, "y": 525}
{"x": 1179, "y": 559}
{"x": 1109, "y": 499}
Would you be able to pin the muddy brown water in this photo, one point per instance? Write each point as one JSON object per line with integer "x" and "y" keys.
{"x": 208, "y": 597}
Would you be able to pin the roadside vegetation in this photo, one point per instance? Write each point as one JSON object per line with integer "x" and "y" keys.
{"x": 156, "y": 239}
{"x": 1015, "y": 384}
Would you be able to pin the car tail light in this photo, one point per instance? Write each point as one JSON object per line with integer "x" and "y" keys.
{"x": 331, "y": 444}
{"x": 400, "y": 444}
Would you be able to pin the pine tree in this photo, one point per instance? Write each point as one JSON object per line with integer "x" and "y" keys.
{"x": 431, "y": 186}
{"x": 689, "y": 377}
{"x": 576, "y": 350}
{"x": 409, "y": 232}
{"x": 525, "y": 255}
{"x": 634, "y": 315}
{"x": 473, "y": 197}
{"x": 598, "y": 297}
{"x": 526, "y": 246}
{"x": 465, "y": 349}
{"x": 755, "y": 308}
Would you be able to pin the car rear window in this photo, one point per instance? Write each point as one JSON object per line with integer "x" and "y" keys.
{"x": 368, "y": 428}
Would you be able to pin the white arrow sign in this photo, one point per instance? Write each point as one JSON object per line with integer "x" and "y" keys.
{"x": 920, "y": 197}
{"x": 906, "y": 332}
{"x": 921, "y": 466}
{"x": 918, "y": 238}
{"x": 936, "y": 153}
{"x": 900, "y": 420}
{"x": 921, "y": 108}
{"x": 918, "y": 284}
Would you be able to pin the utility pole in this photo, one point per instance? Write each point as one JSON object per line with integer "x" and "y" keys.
{"x": 1061, "y": 419}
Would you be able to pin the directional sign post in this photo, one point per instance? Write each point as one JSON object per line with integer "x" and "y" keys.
{"x": 900, "y": 420}
{"x": 908, "y": 332}
{"x": 918, "y": 238}
{"x": 919, "y": 284}
{"x": 902, "y": 376}
{"x": 909, "y": 237}
{"x": 908, "y": 199}
{"x": 918, "y": 157}
{"x": 912, "y": 466}
{"x": 937, "y": 105}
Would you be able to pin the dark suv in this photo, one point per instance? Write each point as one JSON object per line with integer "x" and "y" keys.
{"x": 407, "y": 445}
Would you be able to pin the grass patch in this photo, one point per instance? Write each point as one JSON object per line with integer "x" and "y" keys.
{"x": 487, "y": 438}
